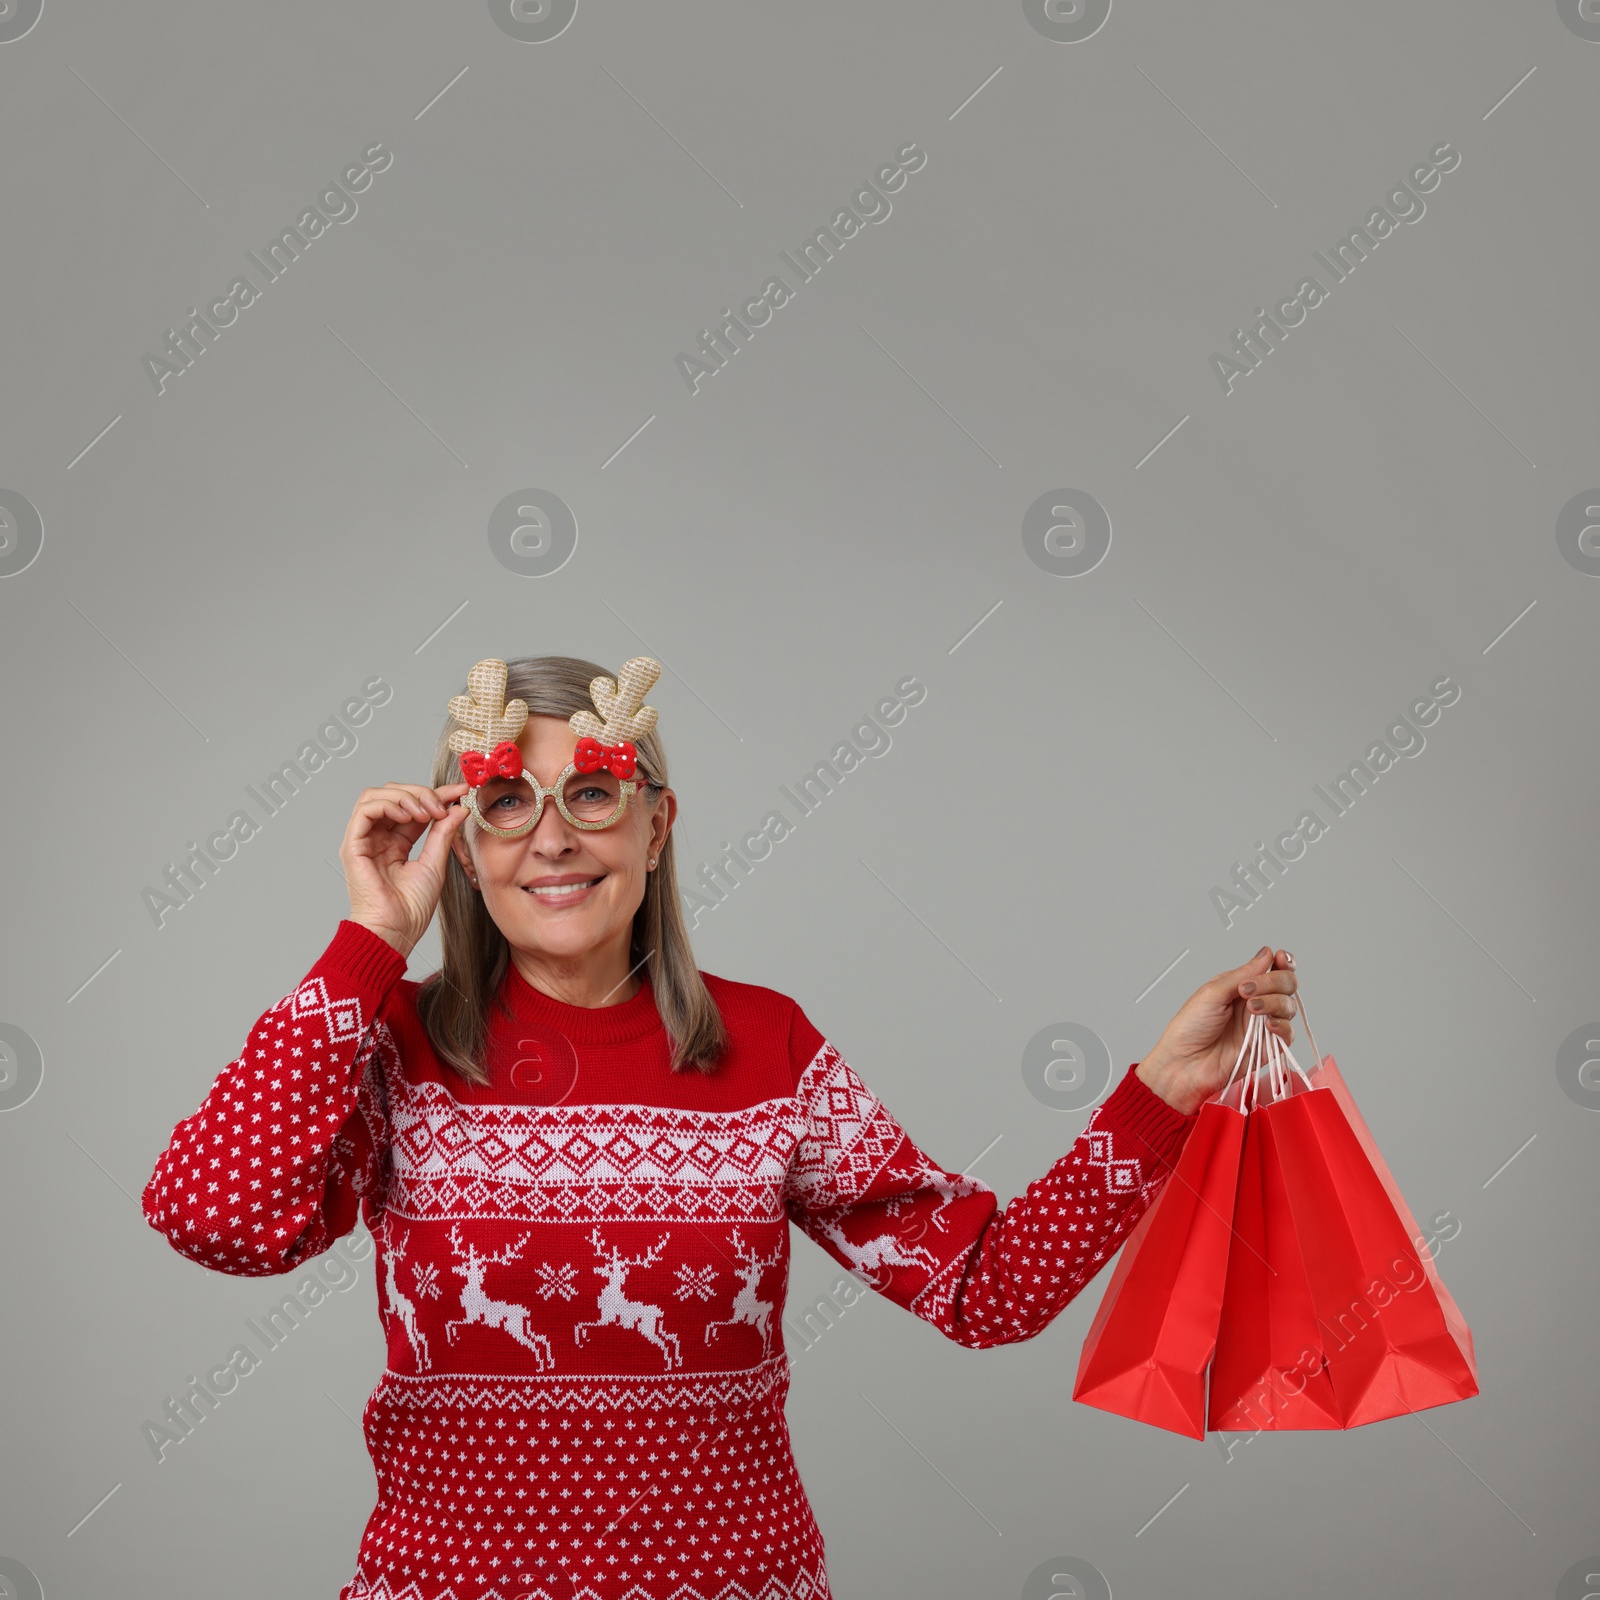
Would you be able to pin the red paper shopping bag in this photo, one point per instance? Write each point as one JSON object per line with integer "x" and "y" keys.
{"x": 1329, "y": 1076}
{"x": 1389, "y": 1342}
{"x": 1268, "y": 1372}
{"x": 1146, "y": 1352}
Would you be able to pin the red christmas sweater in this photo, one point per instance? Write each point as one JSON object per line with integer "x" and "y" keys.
{"x": 582, "y": 1265}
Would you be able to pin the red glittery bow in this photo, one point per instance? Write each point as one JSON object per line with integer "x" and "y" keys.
{"x": 619, "y": 759}
{"x": 504, "y": 761}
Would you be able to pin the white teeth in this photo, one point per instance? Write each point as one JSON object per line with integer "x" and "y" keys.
{"x": 562, "y": 891}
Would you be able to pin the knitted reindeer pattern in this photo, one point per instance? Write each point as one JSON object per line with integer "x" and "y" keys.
{"x": 582, "y": 1287}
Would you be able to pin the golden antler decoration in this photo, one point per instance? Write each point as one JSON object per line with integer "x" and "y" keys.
{"x": 485, "y": 717}
{"x": 622, "y": 716}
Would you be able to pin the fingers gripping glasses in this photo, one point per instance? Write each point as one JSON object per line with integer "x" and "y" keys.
{"x": 594, "y": 788}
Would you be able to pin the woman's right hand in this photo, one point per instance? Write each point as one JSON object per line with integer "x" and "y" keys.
{"x": 391, "y": 894}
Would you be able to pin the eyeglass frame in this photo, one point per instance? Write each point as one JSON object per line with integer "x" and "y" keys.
{"x": 629, "y": 787}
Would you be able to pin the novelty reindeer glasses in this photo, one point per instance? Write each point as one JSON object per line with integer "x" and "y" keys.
{"x": 593, "y": 790}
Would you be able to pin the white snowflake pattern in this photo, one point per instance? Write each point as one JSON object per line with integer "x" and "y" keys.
{"x": 695, "y": 1283}
{"x": 426, "y": 1277}
{"x": 555, "y": 1281}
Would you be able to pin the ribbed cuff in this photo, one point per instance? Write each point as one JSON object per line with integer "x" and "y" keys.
{"x": 1133, "y": 1107}
{"x": 372, "y": 965}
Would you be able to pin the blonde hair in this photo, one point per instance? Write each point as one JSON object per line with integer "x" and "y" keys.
{"x": 454, "y": 1002}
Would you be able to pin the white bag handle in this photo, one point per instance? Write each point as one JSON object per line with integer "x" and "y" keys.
{"x": 1262, "y": 1051}
{"x": 1316, "y": 1054}
{"x": 1250, "y": 1030}
{"x": 1257, "y": 1056}
{"x": 1280, "y": 1060}
{"x": 1250, "y": 1058}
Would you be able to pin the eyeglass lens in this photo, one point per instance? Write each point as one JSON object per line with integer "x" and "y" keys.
{"x": 586, "y": 796}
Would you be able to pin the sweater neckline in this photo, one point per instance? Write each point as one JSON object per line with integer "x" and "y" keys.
{"x": 586, "y": 1025}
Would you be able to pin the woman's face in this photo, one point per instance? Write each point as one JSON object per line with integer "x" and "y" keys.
{"x": 560, "y": 891}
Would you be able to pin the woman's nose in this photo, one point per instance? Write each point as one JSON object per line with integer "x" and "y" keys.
{"x": 552, "y": 834}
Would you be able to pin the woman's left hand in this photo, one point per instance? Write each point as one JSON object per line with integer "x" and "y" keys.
{"x": 1194, "y": 1056}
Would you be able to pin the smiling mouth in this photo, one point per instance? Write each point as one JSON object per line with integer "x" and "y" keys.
{"x": 562, "y": 893}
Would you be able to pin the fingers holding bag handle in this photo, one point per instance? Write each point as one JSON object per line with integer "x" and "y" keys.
{"x": 1270, "y": 991}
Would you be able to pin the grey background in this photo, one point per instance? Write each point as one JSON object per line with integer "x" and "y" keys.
{"x": 834, "y": 511}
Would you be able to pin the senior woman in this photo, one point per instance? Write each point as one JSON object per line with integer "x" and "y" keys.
{"x": 579, "y": 1157}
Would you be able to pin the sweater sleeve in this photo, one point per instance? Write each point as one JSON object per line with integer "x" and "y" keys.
{"x": 937, "y": 1242}
{"x": 293, "y": 1137}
